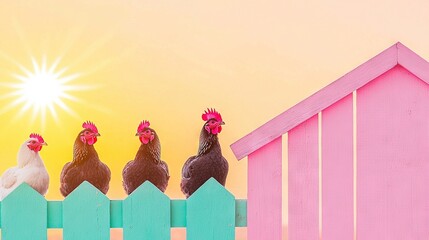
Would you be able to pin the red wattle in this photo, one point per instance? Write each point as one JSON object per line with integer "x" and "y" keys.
{"x": 144, "y": 140}
{"x": 92, "y": 140}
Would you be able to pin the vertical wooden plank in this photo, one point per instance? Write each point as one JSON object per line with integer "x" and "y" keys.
{"x": 178, "y": 213}
{"x": 55, "y": 214}
{"x": 146, "y": 214}
{"x": 211, "y": 213}
{"x": 303, "y": 181}
{"x": 337, "y": 170}
{"x": 241, "y": 213}
{"x": 116, "y": 214}
{"x": 24, "y": 215}
{"x": 393, "y": 158}
{"x": 86, "y": 214}
{"x": 264, "y": 194}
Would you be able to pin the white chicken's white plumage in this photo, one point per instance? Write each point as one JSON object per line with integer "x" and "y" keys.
{"x": 30, "y": 169}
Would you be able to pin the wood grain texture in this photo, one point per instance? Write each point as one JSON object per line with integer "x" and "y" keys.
{"x": 211, "y": 213}
{"x": 146, "y": 214}
{"x": 337, "y": 171}
{"x": 393, "y": 158}
{"x": 23, "y": 215}
{"x": 86, "y": 214}
{"x": 264, "y": 192}
{"x": 316, "y": 102}
{"x": 303, "y": 181}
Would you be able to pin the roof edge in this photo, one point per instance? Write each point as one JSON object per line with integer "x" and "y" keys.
{"x": 366, "y": 72}
{"x": 413, "y": 62}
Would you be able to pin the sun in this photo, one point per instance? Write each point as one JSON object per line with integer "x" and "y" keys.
{"x": 43, "y": 89}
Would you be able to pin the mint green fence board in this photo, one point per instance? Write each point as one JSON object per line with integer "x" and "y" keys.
{"x": 86, "y": 214}
{"x": 211, "y": 213}
{"x": 146, "y": 214}
{"x": 116, "y": 213}
{"x": 178, "y": 213}
{"x": 55, "y": 214}
{"x": 240, "y": 213}
{"x": 22, "y": 209}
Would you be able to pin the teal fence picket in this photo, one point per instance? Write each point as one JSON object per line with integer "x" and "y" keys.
{"x": 146, "y": 214}
{"x": 23, "y": 215}
{"x": 86, "y": 214}
{"x": 211, "y": 213}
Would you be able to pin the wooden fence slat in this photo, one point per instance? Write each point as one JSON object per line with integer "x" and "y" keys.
{"x": 146, "y": 214}
{"x": 393, "y": 158}
{"x": 264, "y": 192}
{"x": 303, "y": 160}
{"x": 86, "y": 214}
{"x": 337, "y": 170}
{"x": 211, "y": 213}
{"x": 23, "y": 215}
{"x": 178, "y": 213}
{"x": 116, "y": 216}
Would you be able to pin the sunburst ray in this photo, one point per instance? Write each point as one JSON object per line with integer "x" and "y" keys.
{"x": 41, "y": 90}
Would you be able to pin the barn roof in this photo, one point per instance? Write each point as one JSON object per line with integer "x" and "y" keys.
{"x": 397, "y": 54}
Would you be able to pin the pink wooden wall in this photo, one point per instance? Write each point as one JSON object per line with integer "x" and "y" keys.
{"x": 303, "y": 181}
{"x": 393, "y": 157}
{"x": 390, "y": 167}
{"x": 264, "y": 219}
{"x": 337, "y": 170}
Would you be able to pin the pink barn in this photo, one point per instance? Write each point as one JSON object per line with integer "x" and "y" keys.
{"x": 374, "y": 145}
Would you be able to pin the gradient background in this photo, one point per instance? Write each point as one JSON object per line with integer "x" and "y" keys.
{"x": 166, "y": 61}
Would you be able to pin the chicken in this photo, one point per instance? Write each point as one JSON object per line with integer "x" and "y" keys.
{"x": 30, "y": 169}
{"x": 86, "y": 166}
{"x": 209, "y": 161}
{"x": 147, "y": 165}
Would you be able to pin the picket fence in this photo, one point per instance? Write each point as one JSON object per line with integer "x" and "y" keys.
{"x": 86, "y": 214}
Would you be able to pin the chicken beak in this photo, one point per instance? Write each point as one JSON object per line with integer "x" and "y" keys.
{"x": 97, "y": 135}
{"x": 222, "y": 123}
{"x": 45, "y": 144}
{"x": 137, "y": 134}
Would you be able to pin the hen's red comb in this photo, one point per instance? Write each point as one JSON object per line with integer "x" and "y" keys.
{"x": 211, "y": 113}
{"x": 143, "y": 124}
{"x": 38, "y": 137}
{"x": 91, "y": 126}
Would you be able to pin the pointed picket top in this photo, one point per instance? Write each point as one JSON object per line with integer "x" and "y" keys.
{"x": 147, "y": 189}
{"x": 17, "y": 222}
{"x": 84, "y": 189}
{"x": 86, "y": 214}
{"x": 211, "y": 213}
{"x": 212, "y": 188}
{"x": 24, "y": 190}
{"x": 146, "y": 214}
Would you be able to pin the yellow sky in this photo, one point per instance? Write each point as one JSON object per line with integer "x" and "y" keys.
{"x": 166, "y": 61}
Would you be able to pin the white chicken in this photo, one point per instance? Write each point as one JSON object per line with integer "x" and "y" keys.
{"x": 30, "y": 169}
